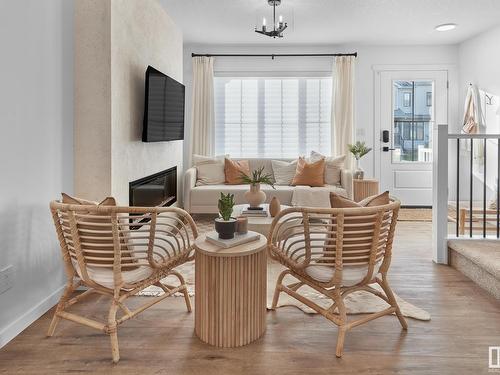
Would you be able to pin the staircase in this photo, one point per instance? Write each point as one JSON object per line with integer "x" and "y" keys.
{"x": 479, "y": 260}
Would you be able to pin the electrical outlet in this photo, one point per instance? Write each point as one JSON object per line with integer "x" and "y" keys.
{"x": 6, "y": 278}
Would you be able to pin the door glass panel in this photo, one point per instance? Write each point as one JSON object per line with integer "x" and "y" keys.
{"x": 413, "y": 113}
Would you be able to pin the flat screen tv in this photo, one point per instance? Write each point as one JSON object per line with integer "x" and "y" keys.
{"x": 163, "y": 108}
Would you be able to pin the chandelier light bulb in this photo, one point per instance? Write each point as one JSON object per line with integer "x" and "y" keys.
{"x": 277, "y": 25}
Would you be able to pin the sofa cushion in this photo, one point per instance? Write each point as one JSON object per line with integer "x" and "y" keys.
{"x": 209, "y": 194}
{"x": 284, "y": 171}
{"x": 333, "y": 167}
{"x": 209, "y": 171}
{"x": 233, "y": 169}
{"x": 309, "y": 174}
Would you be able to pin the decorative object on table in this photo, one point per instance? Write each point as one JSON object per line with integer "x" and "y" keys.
{"x": 255, "y": 197}
{"x": 359, "y": 150}
{"x": 238, "y": 239}
{"x": 274, "y": 207}
{"x": 248, "y": 211}
{"x": 225, "y": 225}
{"x": 241, "y": 225}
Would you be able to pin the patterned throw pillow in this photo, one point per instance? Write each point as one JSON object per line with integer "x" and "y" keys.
{"x": 209, "y": 171}
{"x": 284, "y": 171}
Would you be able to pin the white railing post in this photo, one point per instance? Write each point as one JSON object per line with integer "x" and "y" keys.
{"x": 440, "y": 194}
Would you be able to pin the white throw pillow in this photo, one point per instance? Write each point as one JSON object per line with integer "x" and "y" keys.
{"x": 284, "y": 171}
{"x": 209, "y": 171}
{"x": 333, "y": 167}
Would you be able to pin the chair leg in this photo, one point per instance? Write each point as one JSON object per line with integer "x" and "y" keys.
{"x": 390, "y": 295}
{"x": 340, "y": 341}
{"x": 339, "y": 302}
{"x": 68, "y": 290}
{"x": 184, "y": 291}
{"x": 112, "y": 330}
{"x": 277, "y": 290}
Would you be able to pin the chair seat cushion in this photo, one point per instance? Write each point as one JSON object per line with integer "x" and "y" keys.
{"x": 104, "y": 276}
{"x": 351, "y": 274}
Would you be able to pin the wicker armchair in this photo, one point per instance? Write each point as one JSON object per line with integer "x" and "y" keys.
{"x": 117, "y": 252}
{"x": 336, "y": 252}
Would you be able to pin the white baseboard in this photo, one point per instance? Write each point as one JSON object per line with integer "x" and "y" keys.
{"x": 21, "y": 323}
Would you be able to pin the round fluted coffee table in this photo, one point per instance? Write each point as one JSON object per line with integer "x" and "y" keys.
{"x": 230, "y": 292}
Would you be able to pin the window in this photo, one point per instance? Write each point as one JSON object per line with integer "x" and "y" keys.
{"x": 406, "y": 99}
{"x": 428, "y": 99}
{"x": 272, "y": 117}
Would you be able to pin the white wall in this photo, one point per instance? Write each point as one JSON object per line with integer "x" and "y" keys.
{"x": 368, "y": 56}
{"x": 115, "y": 42}
{"x": 36, "y": 149}
{"x": 479, "y": 62}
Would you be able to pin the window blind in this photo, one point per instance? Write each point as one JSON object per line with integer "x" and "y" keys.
{"x": 272, "y": 117}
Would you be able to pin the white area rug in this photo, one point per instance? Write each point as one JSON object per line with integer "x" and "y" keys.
{"x": 356, "y": 302}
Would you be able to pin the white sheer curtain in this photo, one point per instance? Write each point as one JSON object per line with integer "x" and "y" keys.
{"x": 202, "y": 127}
{"x": 343, "y": 106}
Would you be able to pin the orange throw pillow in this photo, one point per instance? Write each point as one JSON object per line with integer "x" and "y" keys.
{"x": 338, "y": 201}
{"x": 233, "y": 170}
{"x": 310, "y": 174}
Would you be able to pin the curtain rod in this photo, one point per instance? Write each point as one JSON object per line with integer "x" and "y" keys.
{"x": 273, "y": 55}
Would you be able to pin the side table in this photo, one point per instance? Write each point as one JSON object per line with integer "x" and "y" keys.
{"x": 230, "y": 292}
{"x": 364, "y": 188}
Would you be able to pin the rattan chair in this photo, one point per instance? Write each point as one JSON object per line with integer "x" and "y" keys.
{"x": 117, "y": 252}
{"x": 336, "y": 252}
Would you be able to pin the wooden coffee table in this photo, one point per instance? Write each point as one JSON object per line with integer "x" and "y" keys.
{"x": 230, "y": 292}
{"x": 258, "y": 224}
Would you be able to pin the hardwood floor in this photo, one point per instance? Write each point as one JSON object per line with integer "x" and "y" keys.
{"x": 465, "y": 321}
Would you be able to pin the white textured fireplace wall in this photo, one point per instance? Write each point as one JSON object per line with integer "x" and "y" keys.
{"x": 115, "y": 41}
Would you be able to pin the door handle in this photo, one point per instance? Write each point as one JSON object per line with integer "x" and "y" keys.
{"x": 387, "y": 149}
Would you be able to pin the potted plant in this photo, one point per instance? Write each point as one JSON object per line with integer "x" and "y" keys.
{"x": 359, "y": 150}
{"x": 225, "y": 225}
{"x": 255, "y": 197}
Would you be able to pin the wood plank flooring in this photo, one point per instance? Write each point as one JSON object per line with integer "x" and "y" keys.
{"x": 465, "y": 321}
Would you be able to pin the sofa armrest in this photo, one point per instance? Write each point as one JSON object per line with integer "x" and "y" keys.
{"x": 346, "y": 182}
{"x": 189, "y": 184}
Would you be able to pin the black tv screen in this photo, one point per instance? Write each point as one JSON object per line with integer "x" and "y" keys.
{"x": 163, "y": 108}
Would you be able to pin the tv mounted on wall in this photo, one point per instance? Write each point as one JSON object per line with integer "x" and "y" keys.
{"x": 163, "y": 108}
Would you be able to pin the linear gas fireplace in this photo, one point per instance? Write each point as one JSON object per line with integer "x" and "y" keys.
{"x": 159, "y": 189}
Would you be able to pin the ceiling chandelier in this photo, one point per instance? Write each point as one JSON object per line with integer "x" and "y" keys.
{"x": 278, "y": 26}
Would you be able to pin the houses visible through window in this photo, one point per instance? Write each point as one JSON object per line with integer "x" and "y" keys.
{"x": 428, "y": 99}
{"x": 279, "y": 117}
{"x": 407, "y": 99}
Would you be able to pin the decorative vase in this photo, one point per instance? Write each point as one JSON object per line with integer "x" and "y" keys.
{"x": 274, "y": 207}
{"x": 255, "y": 197}
{"x": 225, "y": 228}
{"x": 359, "y": 173}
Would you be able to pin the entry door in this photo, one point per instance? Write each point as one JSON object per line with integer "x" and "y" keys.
{"x": 411, "y": 102}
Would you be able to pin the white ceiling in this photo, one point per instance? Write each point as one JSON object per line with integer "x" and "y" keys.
{"x": 335, "y": 21}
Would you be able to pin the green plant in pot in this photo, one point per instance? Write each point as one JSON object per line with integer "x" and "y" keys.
{"x": 359, "y": 150}
{"x": 225, "y": 225}
{"x": 255, "y": 197}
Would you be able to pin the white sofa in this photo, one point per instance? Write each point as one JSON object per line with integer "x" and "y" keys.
{"x": 203, "y": 199}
